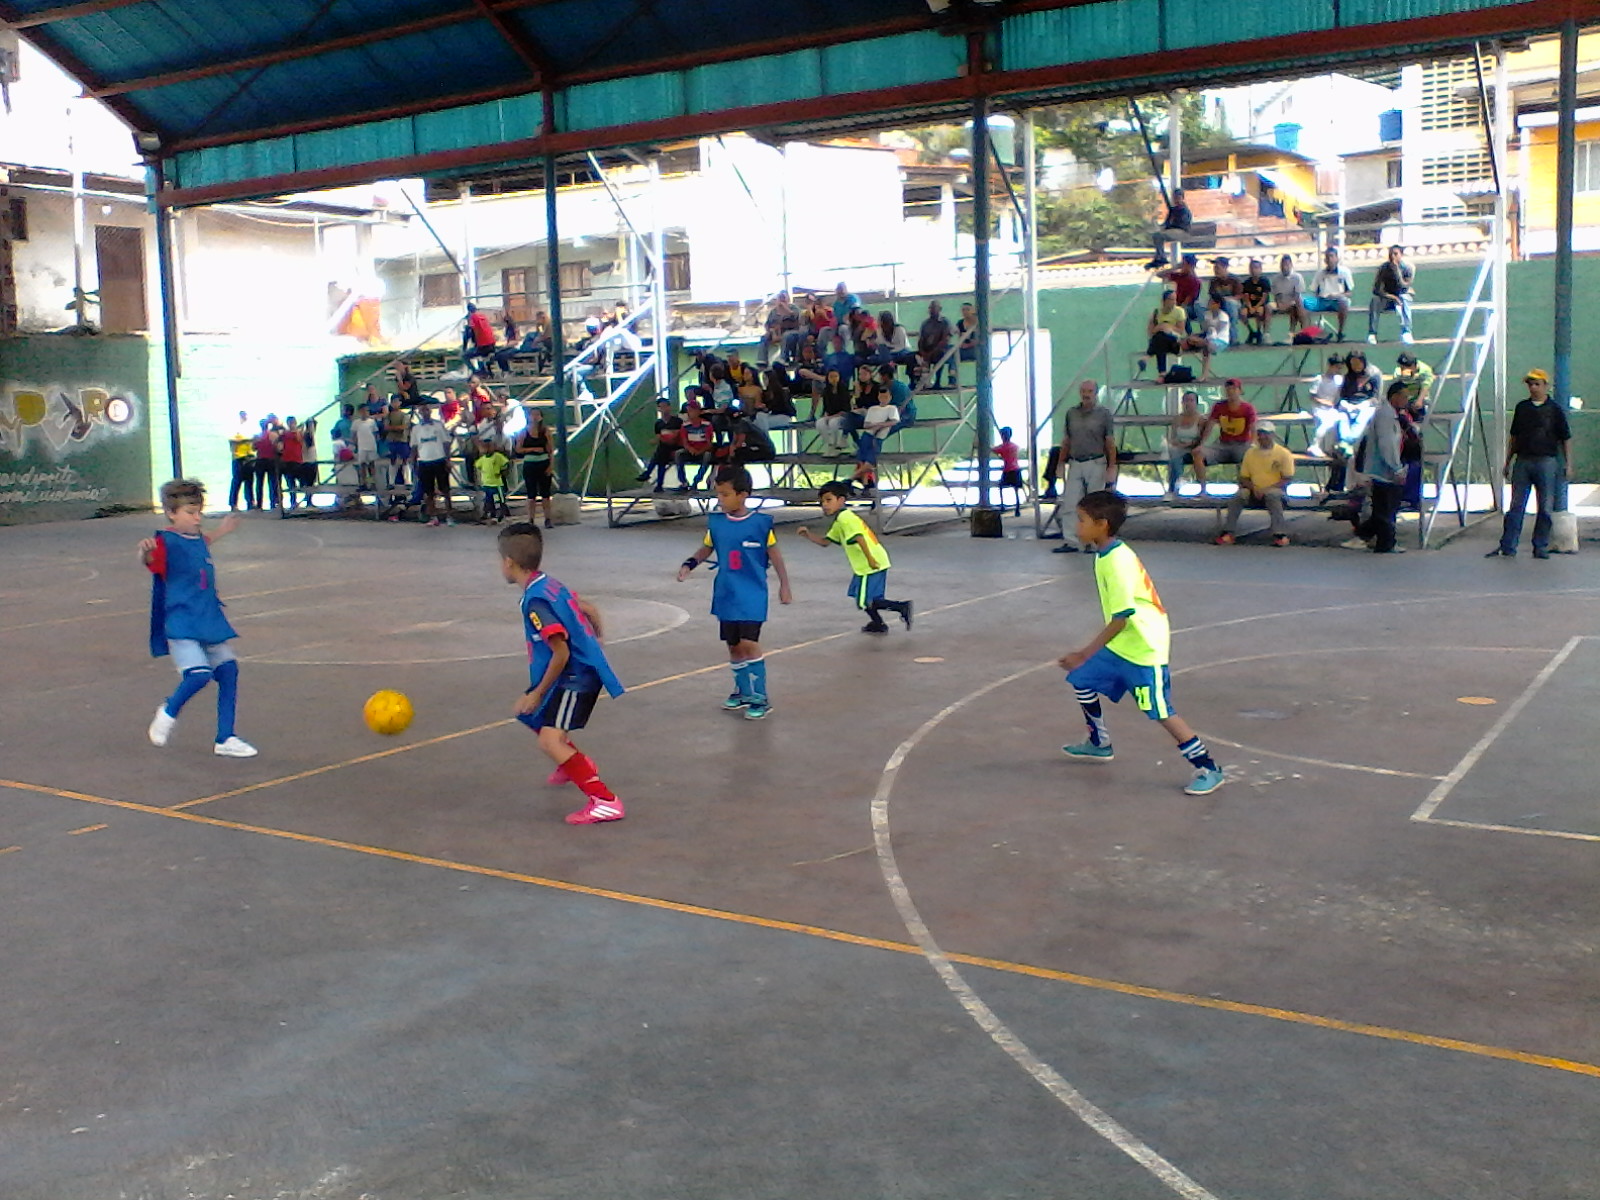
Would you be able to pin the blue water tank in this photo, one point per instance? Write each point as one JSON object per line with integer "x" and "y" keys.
{"x": 1389, "y": 126}
{"x": 1286, "y": 136}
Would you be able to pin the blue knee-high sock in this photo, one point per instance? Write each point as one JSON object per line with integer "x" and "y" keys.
{"x": 1198, "y": 754}
{"x": 741, "y": 679}
{"x": 758, "y": 678}
{"x": 1094, "y": 715}
{"x": 191, "y": 682}
{"x": 227, "y": 677}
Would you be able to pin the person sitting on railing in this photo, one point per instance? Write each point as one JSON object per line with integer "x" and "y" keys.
{"x": 1168, "y": 330}
{"x": 1174, "y": 228}
{"x": 967, "y": 333}
{"x": 1255, "y": 289}
{"x": 1288, "y": 296}
{"x": 782, "y": 319}
{"x": 933, "y": 343}
{"x": 1224, "y": 286}
{"x": 1183, "y": 435}
{"x": 1392, "y": 288}
{"x": 833, "y": 398}
{"x": 696, "y": 444}
{"x": 1330, "y": 290}
{"x": 478, "y": 340}
{"x": 1184, "y": 281}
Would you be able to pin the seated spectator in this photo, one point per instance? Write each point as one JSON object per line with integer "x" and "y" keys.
{"x": 1392, "y": 289}
{"x": 1288, "y": 295}
{"x": 664, "y": 452}
{"x": 406, "y": 386}
{"x": 1418, "y": 378}
{"x": 1324, "y": 409}
{"x": 863, "y": 333}
{"x": 844, "y": 301}
{"x": 880, "y": 419}
{"x": 722, "y": 393}
{"x": 1183, "y": 436}
{"x": 782, "y": 319}
{"x": 1255, "y": 291}
{"x": 748, "y": 386}
{"x": 833, "y": 398}
{"x": 1235, "y": 422}
{"x": 1264, "y": 472}
{"x": 894, "y": 345}
{"x": 777, "y": 401}
{"x": 933, "y": 343}
{"x": 478, "y": 341}
{"x": 809, "y": 368}
{"x": 696, "y": 444}
{"x": 1168, "y": 329}
{"x": 1357, "y": 401}
{"x": 1216, "y": 336}
{"x": 900, "y": 395}
{"x": 1174, "y": 228}
{"x": 967, "y": 333}
{"x": 1184, "y": 281}
{"x": 1224, "y": 286}
{"x": 747, "y": 441}
{"x": 1330, "y": 290}
{"x": 864, "y": 394}
{"x": 820, "y": 319}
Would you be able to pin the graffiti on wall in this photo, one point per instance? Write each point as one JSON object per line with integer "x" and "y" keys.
{"x": 43, "y": 429}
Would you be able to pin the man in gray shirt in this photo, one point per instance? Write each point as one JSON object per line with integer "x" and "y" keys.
{"x": 1385, "y": 470}
{"x": 1088, "y": 456}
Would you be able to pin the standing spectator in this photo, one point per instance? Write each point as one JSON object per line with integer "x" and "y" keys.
{"x": 1288, "y": 297}
{"x": 292, "y": 462}
{"x": 1010, "y": 469}
{"x": 477, "y": 340}
{"x": 1330, "y": 290}
{"x": 397, "y": 441}
{"x": 1224, "y": 286}
{"x": 1235, "y": 422}
{"x": 1088, "y": 455}
{"x": 431, "y": 442}
{"x": 1255, "y": 291}
{"x": 266, "y": 473}
{"x": 534, "y": 450}
{"x": 1168, "y": 330}
{"x": 241, "y": 451}
{"x": 1386, "y": 470}
{"x": 933, "y": 343}
{"x": 1264, "y": 473}
{"x": 668, "y": 425}
{"x": 492, "y": 464}
{"x": 342, "y": 428}
{"x": 364, "y": 430}
{"x": 1536, "y": 461}
{"x": 1392, "y": 289}
{"x": 1184, "y": 281}
{"x": 1183, "y": 435}
{"x": 1174, "y": 228}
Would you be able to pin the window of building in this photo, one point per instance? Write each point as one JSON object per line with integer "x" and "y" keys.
{"x": 1449, "y": 94}
{"x": 1470, "y": 166}
{"x": 1396, "y": 175}
{"x": 441, "y": 291}
{"x": 677, "y": 272}
{"x": 516, "y": 294}
{"x": 1587, "y": 177}
{"x": 576, "y": 279}
{"x": 14, "y": 219}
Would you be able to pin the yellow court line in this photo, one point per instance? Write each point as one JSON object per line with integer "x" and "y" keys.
{"x": 834, "y": 935}
{"x": 638, "y": 687}
{"x": 9, "y": 849}
{"x": 85, "y": 829}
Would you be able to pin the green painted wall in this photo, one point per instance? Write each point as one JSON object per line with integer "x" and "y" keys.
{"x": 74, "y": 426}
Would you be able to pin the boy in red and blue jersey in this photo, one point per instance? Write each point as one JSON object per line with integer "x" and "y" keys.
{"x": 186, "y": 618}
{"x": 745, "y": 546}
{"x": 567, "y": 669}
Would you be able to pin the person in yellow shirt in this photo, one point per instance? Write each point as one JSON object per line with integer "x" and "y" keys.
{"x": 869, "y": 561}
{"x": 1265, "y": 471}
{"x": 241, "y": 448}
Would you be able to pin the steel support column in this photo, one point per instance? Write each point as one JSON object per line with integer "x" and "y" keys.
{"x": 980, "y": 294}
{"x": 1030, "y": 301}
{"x": 658, "y": 287}
{"x": 558, "y": 350}
{"x": 1500, "y": 148}
{"x": 169, "y": 312}
{"x": 1566, "y": 164}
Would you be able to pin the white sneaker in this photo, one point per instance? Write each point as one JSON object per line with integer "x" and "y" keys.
{"x": 235, "y": 747}
{"x": 1407, "y": 339}
{"x": 161, "y": 727}
{"x": 1354, "y": 543}
{"x": 1372, "y": 339}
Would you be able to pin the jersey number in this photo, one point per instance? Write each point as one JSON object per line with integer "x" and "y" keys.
{"x": 735, "y": 560}
{"x": 1141, "y": 697}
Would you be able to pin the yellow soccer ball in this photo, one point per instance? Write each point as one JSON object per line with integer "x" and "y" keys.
{"x": 388, "y": 712}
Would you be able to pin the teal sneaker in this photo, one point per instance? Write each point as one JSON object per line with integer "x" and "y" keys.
{"x": 1205, "y": 782}
{"x": 735, "y": 701}
{"x": 1089, "y": 750}
{"x": 756, "y": 710}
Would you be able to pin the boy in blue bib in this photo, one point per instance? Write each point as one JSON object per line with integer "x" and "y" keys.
{"x": 186, "y": 618}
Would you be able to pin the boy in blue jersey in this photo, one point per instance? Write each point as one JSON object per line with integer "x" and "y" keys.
{"x": 567, "y": 667}
{"x": 744, "y": 544}
{"x": 1130, "y": 654}
{"x": 186, "y": 618}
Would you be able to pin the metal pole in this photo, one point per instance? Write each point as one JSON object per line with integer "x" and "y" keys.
{"x": 79, "y": 306}
{"x": 658, "y": 286}
{"x": 1030, "y": 320}
{"x": 169, "y": 315}
{"x": 469, "y": 260}
{"x": 1566, "y": 163}
{"x": 1175, "y": 143}
{"x": 1499, "y": 149}
{"x": 558, "y": 354}
{"x": 980, "y": 290}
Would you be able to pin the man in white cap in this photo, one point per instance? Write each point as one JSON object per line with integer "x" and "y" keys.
{"x": 1263, "y": 475}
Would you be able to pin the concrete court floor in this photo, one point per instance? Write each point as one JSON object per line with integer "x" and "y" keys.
{"x": 360, "y": 967}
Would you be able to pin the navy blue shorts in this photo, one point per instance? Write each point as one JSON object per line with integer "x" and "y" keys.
{"x": 563, "y": 708}
{"x": 867, "y": 590}
{"x": 734, "y": 632}
{"x": 1113, "y": 676}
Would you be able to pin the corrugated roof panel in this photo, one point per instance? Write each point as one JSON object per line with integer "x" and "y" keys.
{"x": 478, "y": 124}
{"x": 372, "y": 142}
{"x": 892, "y": 61}
{"x": 1110, "y": 29}
{"x": 767, "y": 80}
{"x": 620, "y": 102}
{"x": 1197, "y": 25}
{"x": 1370, "y": 12}
{"x": 218, "y": 164}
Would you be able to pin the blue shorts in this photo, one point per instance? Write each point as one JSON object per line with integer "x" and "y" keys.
{"x": 1323, "y": 304}
{"x": 867, "y": 590}
{"x": 563, "y": 708}
{"x": 187, "y": 654}
{"x": 867, "y": 449}
{"x": 1113, "y": 676}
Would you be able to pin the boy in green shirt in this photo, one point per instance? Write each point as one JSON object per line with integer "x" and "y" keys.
{"x": 492, "y": 463}
{"x": 869, "y": 561}
{"x": 1130, "y": 654}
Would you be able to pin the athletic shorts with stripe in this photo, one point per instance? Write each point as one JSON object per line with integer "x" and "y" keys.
{"x": 867, "y": 590}
{"x": 563, "y": 709}
{"x": 1113, "y": 676}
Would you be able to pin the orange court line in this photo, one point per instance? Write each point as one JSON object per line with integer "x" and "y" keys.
{"x": 638, "y": 687}
{"x": 85, "y": 829}
{"x": 834, "y": 935}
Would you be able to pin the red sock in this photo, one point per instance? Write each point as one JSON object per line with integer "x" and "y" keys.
{"x": 580, "y": 769}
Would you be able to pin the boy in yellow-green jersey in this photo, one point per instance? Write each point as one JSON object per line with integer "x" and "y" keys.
{"x": 869, "y": 561}
{"x": 1131, "y": 652}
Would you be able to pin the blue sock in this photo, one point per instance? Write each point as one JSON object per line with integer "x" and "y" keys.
{"x": 741, "y": 679}
{"x": 227, "y": 676}
{"x": 1198, "y": 755}
{"x": 758, "y": 679}
{"x": 1095, "y": 716}
{"x": 192, "y": 681}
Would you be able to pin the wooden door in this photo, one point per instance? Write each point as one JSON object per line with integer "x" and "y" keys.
{"x": 119, "y": 251}
{"x": 514, "y": 295}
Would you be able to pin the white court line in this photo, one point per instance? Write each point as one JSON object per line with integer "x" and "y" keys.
{"x": 1492, "y": 828}
{"x": 1470, "y": 759}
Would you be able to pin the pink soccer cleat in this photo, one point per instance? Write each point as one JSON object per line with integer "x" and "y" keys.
{"x": 597, "y": 811}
